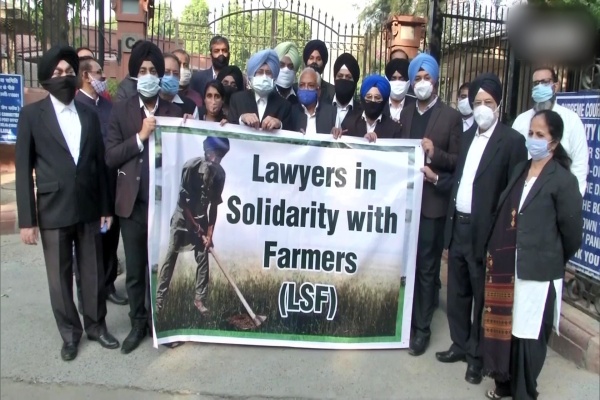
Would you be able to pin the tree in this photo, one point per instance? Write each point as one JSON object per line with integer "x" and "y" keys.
{"x": 162, "y": 24}
{"x": 593, "y": 6}
{"x": 193, "y": 28}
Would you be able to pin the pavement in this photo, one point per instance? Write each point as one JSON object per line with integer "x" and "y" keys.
{"x": 31, "y": 367}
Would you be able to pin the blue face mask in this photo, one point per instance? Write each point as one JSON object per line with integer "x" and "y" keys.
{"x": 541, "y": 93}
{"x": 538, "y": 148}
{"x": 307, "y": 97}
{"x": 148, "y": 85}
{"x": 169, "y": 85}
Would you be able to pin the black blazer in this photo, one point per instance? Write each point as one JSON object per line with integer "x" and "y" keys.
{"x": 326, "y": 114}
{"x": 122, "y": 149}
{"x": 387, "y": 128}
{"x": 351, "y": 115}
{"x": 408, "y": 100}
{"x": 245, "y": 102}
{"x": 188, "y": 106}
{"x": 127, "y": 88}
{"x": 504, "y": 150}
{"x": 327, "y": 92}
{"x": 550, "y": 223}
{"x": 200, "y": 79}
{"x": 67, "y": 193}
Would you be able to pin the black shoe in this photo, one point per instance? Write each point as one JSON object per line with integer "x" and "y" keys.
{"x": 473, "y": 375}
{"x": 118, "y": 300}
{"x": 106, "y": 340}
{"x": 450, "y": 356}
{"x": 418, "y": 346}
{"x": 68, "y": 351}
{"x": 133, "y": 340}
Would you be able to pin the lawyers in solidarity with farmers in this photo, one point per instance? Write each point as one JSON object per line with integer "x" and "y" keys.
{"x": 505, "y": 202}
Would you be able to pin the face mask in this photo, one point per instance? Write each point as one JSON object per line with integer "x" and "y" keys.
{"x": 286, "y": 77}
{"x": 63, "y": 88}
{"x": 185, "y": 76}
{"x": 538, "y": 148}
{"x": 228, "y": 92}
{"x": 465, "y": 108}
{"x": 316, "y": 67}
{"x": 169, "y": 85}
{"x": 99, "y": 86}
{"x": 344, "y": 90}
{"x": 399, "y": 89}
{"x": 484, "y": 116}
{"x": 541, "y": 93}
{"x": 220, "y": 62}
{"x": 373, "y": 110}
{"x": 262, "y": 85}
{"x": 307, "y": 97}
{"x": 423, "y": 90}
{"x": 148, "y": 85}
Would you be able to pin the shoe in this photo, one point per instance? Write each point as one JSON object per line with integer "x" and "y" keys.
{"x": 418, "y": 346}
{"x": 493, "y": 395}
{"x": 106, "y": 340}
{"x": 173, "y": 344}
{"x": 133, "y": 340}
{"x": 68, "y": 352}
{"x": 118, "y": 300}
{"x": 450, "y": 356}
{"x": 201, "y": 307}
{"x": 473, "y": 375}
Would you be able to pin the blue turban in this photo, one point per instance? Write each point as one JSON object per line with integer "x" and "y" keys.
{"x": 425, "y": 62}
{"x": 379, "y": 82}
{"x": 257, "y": 60}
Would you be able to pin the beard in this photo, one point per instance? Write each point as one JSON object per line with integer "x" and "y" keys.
{"x": 544, "y": 105}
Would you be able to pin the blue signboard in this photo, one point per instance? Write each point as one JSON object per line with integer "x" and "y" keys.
{"x": 587, "y": 106}
{"x": 11, "y": 102}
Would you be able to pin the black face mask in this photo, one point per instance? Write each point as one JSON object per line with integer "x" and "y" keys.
{"x": 220, "y": 62}
{"x": 344, "y": 90}
{"x": 229, "y": 91}
{"x": 373, "y": 110}
{"x": 316, "y": 67}
{"x": 63, "y": 88}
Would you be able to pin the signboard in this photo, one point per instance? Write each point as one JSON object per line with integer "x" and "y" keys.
{"x": 314, "y": 238}
{"x": 11, "y": 102}
{"x": 587, "y": 105}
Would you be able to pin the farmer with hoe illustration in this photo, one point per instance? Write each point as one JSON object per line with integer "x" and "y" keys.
{"x": 193, "y": 222}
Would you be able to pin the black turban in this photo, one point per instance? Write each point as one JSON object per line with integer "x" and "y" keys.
{"x": 318, "y": 45}
{"x": 235, "y": 72}
{"x": 350, "y": 62}
{"x": 489, "y": 83}
{"x": 217, "y": 144}
{"x": 146, "y": 51}
{"x": 397, "y": 64}
{"x": 52, "y": 57}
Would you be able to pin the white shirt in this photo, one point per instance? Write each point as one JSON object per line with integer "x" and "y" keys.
{"x": 395, "y": 111}
{"x": 530, "y": 297}
{"x": 178, "y": 100}
{"x": 149, "y": 113}
{"x": 70, "y": 125}
{"x": 342, "y": 111}
{"x": 431, "y": 104}
{"x": 468, "y": 123}
{"x": 311, "y": 121}
{"x": 464, "y": 196}
{"x": 370, "y": 127}
{"x": 261, "y": 104}
{"x": 574, "y": 140}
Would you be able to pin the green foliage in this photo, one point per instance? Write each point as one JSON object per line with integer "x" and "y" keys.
{"x": 162, "y": 24}
{"x": 113, "y": 86}
{"x": 194, "y": 29}
{"x": 593, "y": 6}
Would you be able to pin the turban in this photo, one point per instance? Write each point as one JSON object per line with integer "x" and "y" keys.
{"x": 318, "y": 45}
{"x": 52, "y": 57}
{"x": 146, "y": 51}
{"x": 217, "y": 144}
{"x": 425, "y": 62}
{"x": 350, "y": 62}
{"x": 379, "y": 82}
{"x": 397, "y": 64}
{"x": 235, "y": 72}
{"x": 489, "y": 83}
{"x": 257, "y": 60}
{"x": 291, "y": 50}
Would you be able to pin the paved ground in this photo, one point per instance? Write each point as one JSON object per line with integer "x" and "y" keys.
{"x": 31, "y": 367}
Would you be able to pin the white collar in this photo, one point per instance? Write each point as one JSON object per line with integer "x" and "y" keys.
{"x": 401, "y": 103}
{"x": 364, "y": 116}
{"x": 487, "y": 134}
{"x": 142, "y": 105}
{"x": 335, "y": 103}
{"x": 60, "y": 107}
{"x": 177, "y": 99}
{"x": 258, "y": 98}
{"x": 306, "y": 110}
{"x": 97, "y": 99}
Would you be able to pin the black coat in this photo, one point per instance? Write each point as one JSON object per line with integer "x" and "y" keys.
{"x": 200, "y": 79}
{"x": 325, "y": 118}
{"x": 67, "y": 193}
{"x": 245, "y": 102}
{"x": 385, "y": 129}
{"x": 127, "y": 88}
{"x": 408, "y": 100}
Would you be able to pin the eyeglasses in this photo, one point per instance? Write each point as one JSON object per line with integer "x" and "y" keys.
{"x": 543, "y": 82}
{"x": 99, "y": 72}
{"x": 373, "y": 98}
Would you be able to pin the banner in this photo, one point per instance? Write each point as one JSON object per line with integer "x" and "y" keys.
{"x": 587, "y": 105}
{"x": 314, "y": 239}
{"x": 11, "y": 102}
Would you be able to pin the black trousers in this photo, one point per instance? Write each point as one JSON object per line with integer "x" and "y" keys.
{"x": 466, "y": 287}
{"x": 58, "y": 255}
{"x": 429, "y": 253}
{"x": 135, "y": 243}
{"x": 527, "y": 357}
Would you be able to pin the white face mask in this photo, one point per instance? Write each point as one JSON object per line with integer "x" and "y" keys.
{"x": 399, "y": 89}
{"x": 262, "y": 85}
{"x": 185, "y": 75}
{"x": 423, "y": 90}
{"x": 464, "y": 107}
{"x": 286, "y": 77}
{"x": 484, "y": 117}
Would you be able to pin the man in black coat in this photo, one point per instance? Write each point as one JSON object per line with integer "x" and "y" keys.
{"x": 486, "y": 160}
{"x": 61, "y": 140}
{"x": 219, "y": 55}
{"x": 315, "y": 56}
{"x": 312, "y": 116}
